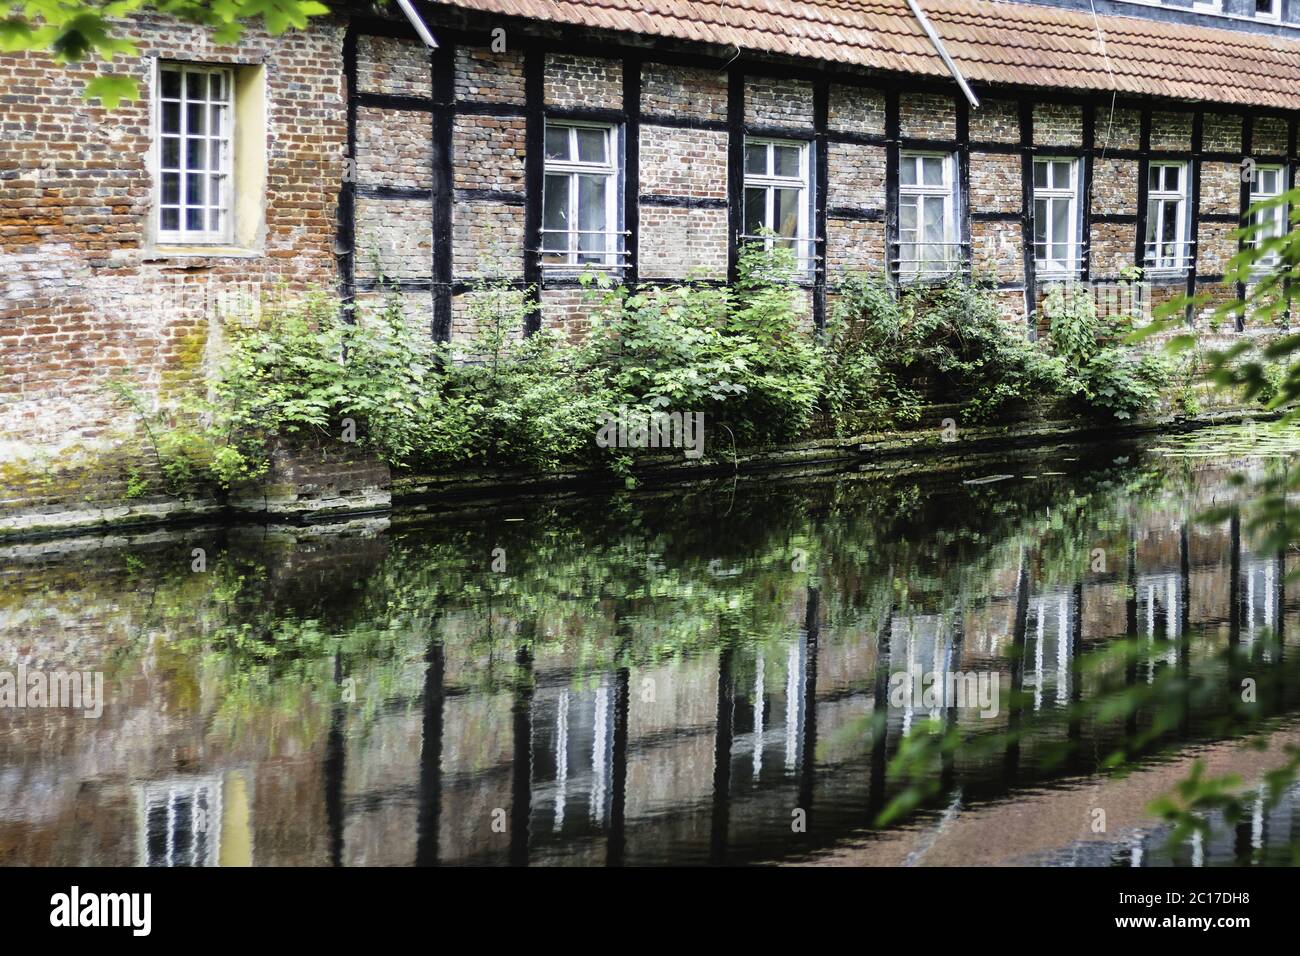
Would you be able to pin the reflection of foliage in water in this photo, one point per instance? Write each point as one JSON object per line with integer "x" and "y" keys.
{"x": 1122, "y": 720}
{"x": 647, "y": 578}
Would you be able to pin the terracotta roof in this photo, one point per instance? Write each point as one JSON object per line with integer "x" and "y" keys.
{"x": 992, "y": 41}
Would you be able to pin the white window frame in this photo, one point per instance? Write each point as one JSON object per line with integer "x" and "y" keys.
{"x": 1273, "y": 16}
{"x": 1207, "y": 6}
{"x": 571, "y": 258}
{"x": 1278, "y": 214}
{"x": 769, "y": 182}
{"x": 913, "y": 270}
{"x": 1044, "y": 264}
{"x": 203, "y": 823}
{"x": 225, "y": 172}
{"x": 1152, "y": 261}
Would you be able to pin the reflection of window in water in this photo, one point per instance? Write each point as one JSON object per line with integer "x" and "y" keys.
{"x": 181, "y": 822}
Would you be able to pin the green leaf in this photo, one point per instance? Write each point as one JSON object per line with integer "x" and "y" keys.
{"x": 111, "y": 90}
{"x": 15, "y": 34}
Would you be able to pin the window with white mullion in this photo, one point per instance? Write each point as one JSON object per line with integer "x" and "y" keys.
{"x": 777, "y": 196}
{"x": 1167, "y": 246}
{"x": 1268, "y": 9}
{"x": 1056, "y": 218}
{"x": 927, "y": 243}
{"x": 181, "y": 823}
{"x": 1271, "y": 221}
{"x": 193, "y": 153}
{"x": 580, "y": 197}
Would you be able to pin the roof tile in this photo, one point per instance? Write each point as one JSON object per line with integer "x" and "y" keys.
{"x": 992, "y": 41}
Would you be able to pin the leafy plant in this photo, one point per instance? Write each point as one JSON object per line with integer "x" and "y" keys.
{"x": 72, "y": 30}
{"x": 1104, "y": 378}
{"x": 514, "y": 400}
{"x": 740, "y": 355}
{"x": 946, "y": 343}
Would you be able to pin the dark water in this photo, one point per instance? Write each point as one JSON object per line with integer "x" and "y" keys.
{"x": 671, "y": 676}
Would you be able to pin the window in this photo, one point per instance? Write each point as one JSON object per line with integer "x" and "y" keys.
{"x": 1056, "y": 221}
{"x": 1166, "y": 238}
{"x": 927, "y": 240}
{"x": 580, "y": 225}
{"x": 777, "y": 196}
{"x": 194, "y": 153}
{"x": 1268, "y": 9}
{"x": 181, "y": 823}
{"x": 1269, "y": 183}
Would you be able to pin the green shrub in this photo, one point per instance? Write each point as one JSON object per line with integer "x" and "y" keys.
{"x": 742, "y": 355}
{"x": 739, "y": 355}
{"x": 860, "y": 385}
{"x": 514, "y": 401}
{"x": 945, "y": 343}
{"x": 1103, "y": 378}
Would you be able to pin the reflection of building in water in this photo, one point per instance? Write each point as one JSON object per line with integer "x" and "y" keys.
{"x": 195, "y": 821}
{"x": 923, "y": 644}
{"x": 572, "y": 753}
{"x": 1259, "y": 600}
{"x": 1047, "y": 647}
{"x": 1267, "y": 835}
{"x": 587, "y": 766}
{"x": 1159, "y": 598}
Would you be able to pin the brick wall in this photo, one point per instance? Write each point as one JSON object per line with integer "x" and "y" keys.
{"x": 1057, "y": 124}
{"x": 927, "y": 116}
{"x": 82, "y": 294}
{"x": 77, "y": 195}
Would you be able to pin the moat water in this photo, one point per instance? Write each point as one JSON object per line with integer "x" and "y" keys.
{"x": 719, "y": 674}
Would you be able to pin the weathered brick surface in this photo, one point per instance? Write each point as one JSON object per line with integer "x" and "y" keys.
{"x": 487, "y": 240}
{"x": 996, "y": 250}
{"x": 1058, "y": 124}
{"x": 927, "y": 116}
{"x": 683, "y": 162}
{"x": 856, "y": 176}
{"x": 1012, "y": 302}
{"x": 488, "y": 153}
{"x": 854, "y": 245}
{"x": 1111, "y": 250}
{"x": 1118, "y": 129}
{"x": 325, "y": 475}
{"x": 567, "y": 311}
{"x": 1171, "y": 131}
{"x": 471, "y": 311}
{"x": 775, "y": 102}
{"x": 996, "y": 121}
{"x": 684, "y": 91}
{"x": 487, "y": 77}
{"x": 82, "y": 296}
{"x": 583, "y": 81}
{"x": 1114, "y": 186}
{"x": 678, "y": 242}
{"x": 995, "y": 182}
{"x": 1220, "y": 188}
{"x": 393, "y": 148}
{"x": 416, "y": 307}
{"x": 1269, "y": 136}
{"x": 1161, "y": 294}
{"x": 856, "y": 110}
{"x": 393, "y": 65}
{"x": 1215, "y": 246}
{"x": 1216, "y": 294}
{"x": 394, "y": 238}
{"x": 1221, "y": 133}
